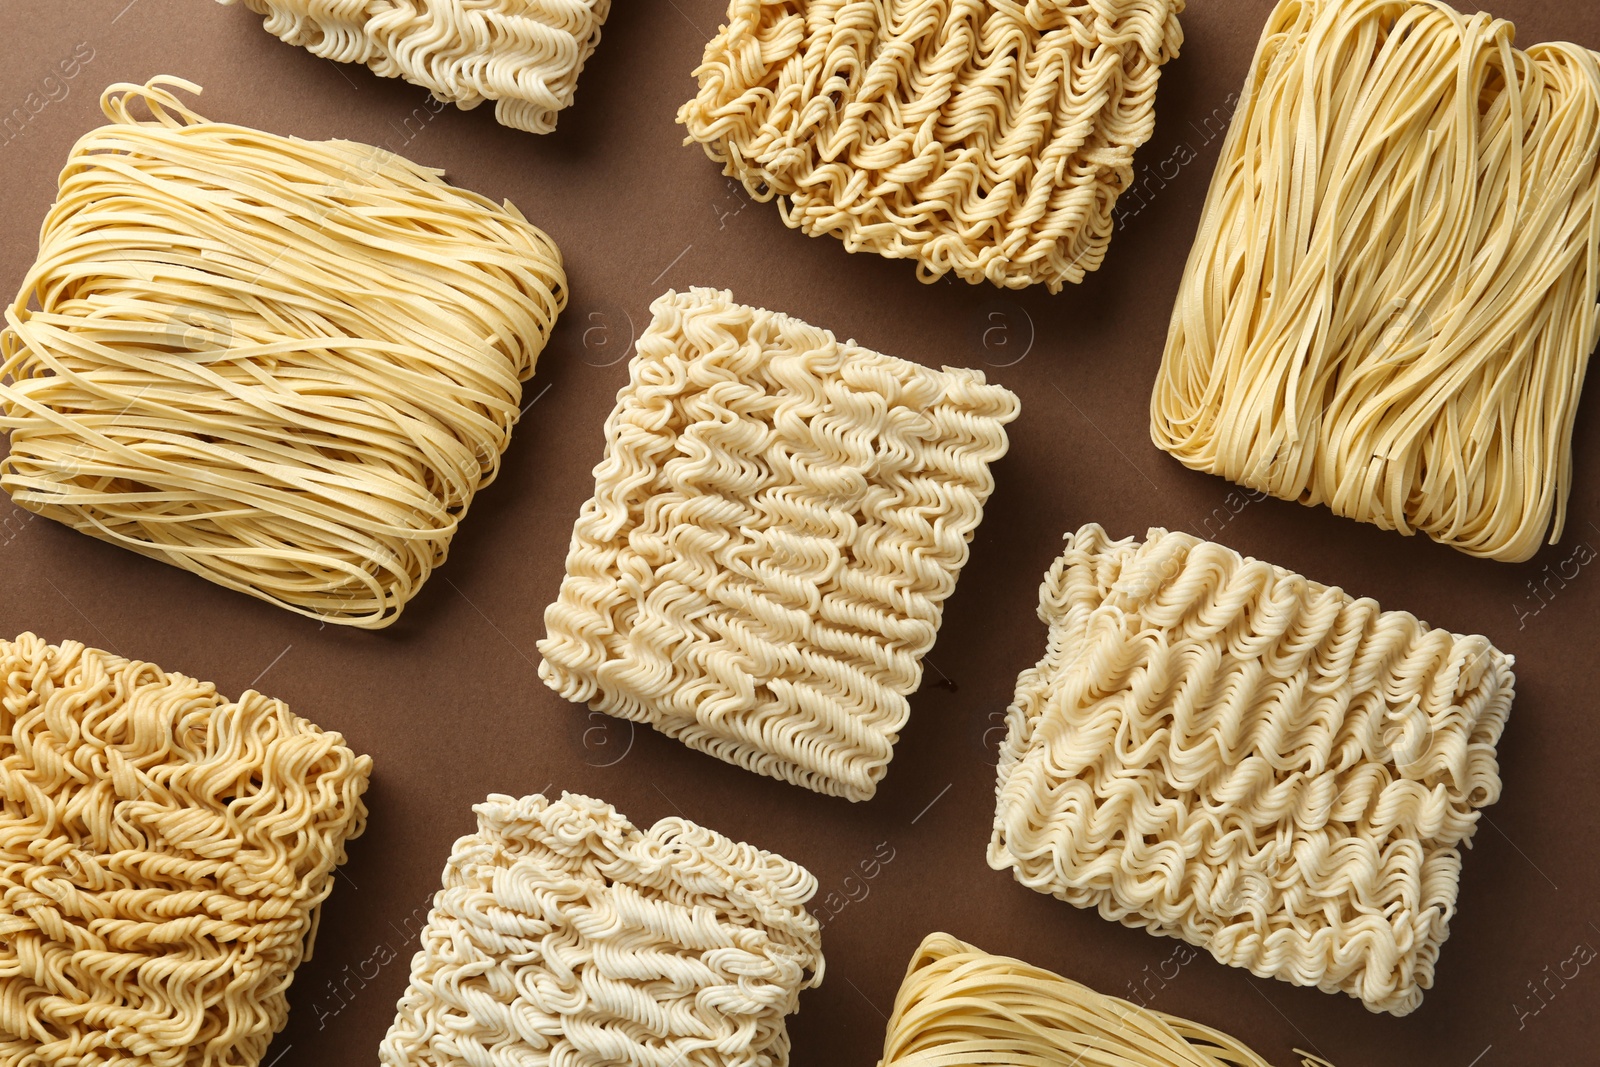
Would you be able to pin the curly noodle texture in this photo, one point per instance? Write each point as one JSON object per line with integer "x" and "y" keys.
{"x": 1219, "y": 750}
{"x": 988, "y": 139}
{"x": 164, "y": 855}
{"x": 286, "y": 366}
{"x": 960, "y": 1006}
{"x": 565, "y": 937}
{"x": 776, "y": 524}
{"x": 1390, "y": 306}
{"x": 525, "y": 55}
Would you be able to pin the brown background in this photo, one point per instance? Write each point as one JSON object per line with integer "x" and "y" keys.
{"x": 448, "y": 701}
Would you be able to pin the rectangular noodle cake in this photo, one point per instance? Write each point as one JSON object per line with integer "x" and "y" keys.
{"x": 991, "y": 140}
{"x": 1390, "y": 306}
{"x": 565, "y": 937}
{"x": 286, "y": 366}
{"x": 525, "y": 55}
{"x": 1220, "y": 750}
{"x": 776, "y": 524}
{"x": 164, "y": 856}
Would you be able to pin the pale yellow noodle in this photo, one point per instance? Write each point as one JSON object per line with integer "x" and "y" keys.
{"x": 164, "y": 855}
{"x": 1390, "y": 305}
{"x": 988, "y": 139}
{"x": 565, "y": 937}
{"x": 776, "y": 523}
{"x": 961, "y": 1006}
{"x": 287, "y": 366}
{"x": 525, "y": 55}
{"x": 1219, "y": 750}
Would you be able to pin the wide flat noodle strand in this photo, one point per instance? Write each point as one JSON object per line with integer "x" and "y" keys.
{"x": 988, "y": 139}
{"x": 960, "y": 1006}
{"x": 164, "y": 856}
{"x": 287, "y": 366}
{"x": 1390, "y": 305}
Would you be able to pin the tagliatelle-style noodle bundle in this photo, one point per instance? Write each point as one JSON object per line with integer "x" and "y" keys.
{"x": 286, "y": 366}
{"x": 1219, "y": 750}
{"x": 565, "y": 937}
{"x": 959, "y": 1006}
{"x": 775, "y": 526}
{"x": 988, "y": 139}
{"x": 525, "y": 55}
{"x": 164, "y": 856}
{"x": 1390, "y": 305}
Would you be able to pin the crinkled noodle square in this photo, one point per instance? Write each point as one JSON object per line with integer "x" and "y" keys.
{"x": 988, "y": 139}
{"x": 563, "y": 935}
{"x": 776, "y": 523}
{"x": 525, "y": 55}
{"x": 164, "y": 855}
{"x": 1217, "y": 749}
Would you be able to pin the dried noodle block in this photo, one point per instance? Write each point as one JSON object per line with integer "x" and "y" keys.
{"x": 960, "y": 1006}
{"x": 988, "y": 139}
{"x": 525, "y": 55}
{"x": 776, "y": 524}
{"x": 1217, "y": 749}
{"x": 565, "y": 936}
{"x": 1390, "y": 307}
{"x": 164, "y": 855}
{"x": 286, "y": 366}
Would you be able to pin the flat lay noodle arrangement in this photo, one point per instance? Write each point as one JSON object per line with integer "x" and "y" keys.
{"x": 1217, "y": 749}
{"x": 988, "y": 139}
{"x": 960, "y": 1006}
{"x": 287, "y": 366}
{"x": 164, "y": 855}
{"x": 776, "y": 524}
{"x": 1390, "y": 305}
{"x": 565, "y": 936}
{"x": 525, "y": 55}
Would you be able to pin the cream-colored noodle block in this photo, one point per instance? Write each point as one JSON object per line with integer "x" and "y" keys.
{"x": 332, "y": 29}
{"x": 1390, "y": 305}
{"x": 960, "y": 1006}
{"x": 164, "y": 856}
{"x": 776, "y": 523}
{"x": 287, "y": 366}
{"x": 1217, "y": 749}
{"x": 565, "y": 937}
{"x": 988, "y": 139}
{"x": 525, "y": 55}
